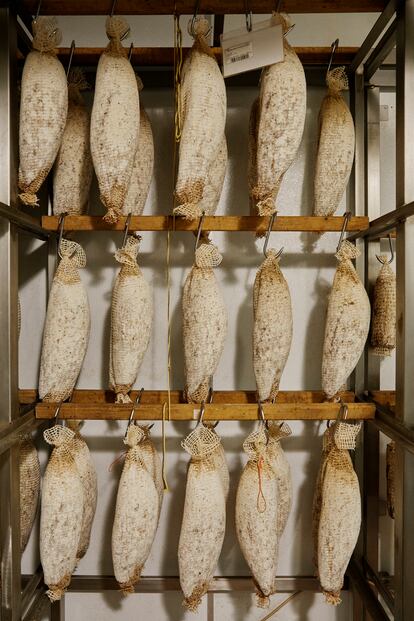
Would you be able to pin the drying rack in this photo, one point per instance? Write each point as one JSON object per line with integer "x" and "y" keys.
{"x": 388, "y": 412}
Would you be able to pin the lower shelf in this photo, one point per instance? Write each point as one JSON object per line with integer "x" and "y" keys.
{"x": 227, "y": 405}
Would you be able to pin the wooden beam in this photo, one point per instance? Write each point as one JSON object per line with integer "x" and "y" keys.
{"x": 151, "y": 397}
{"x": 214, "y": 411}
{"x": 314, "y": 224}
{"x": 166, "y": 7}
{"x": 164, "y": 56}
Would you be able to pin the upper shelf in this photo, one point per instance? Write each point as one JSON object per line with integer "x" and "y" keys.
{"x": 314, "y": 224}
{"x": 182, "y": 7}
{"x": 164, "y": 56}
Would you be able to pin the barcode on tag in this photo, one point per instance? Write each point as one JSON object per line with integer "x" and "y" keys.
{"x": 237, "y": 53}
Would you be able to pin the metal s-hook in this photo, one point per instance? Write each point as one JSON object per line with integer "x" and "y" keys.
{"x": 131, "y": 47}
{"x": 278, "y": 6}
{"x": 111, "y": 14}
{"x": 201, "y": 416}
{"x": 134, "y": 405}
{"x": 248, "y": 16}
{"x": 200, "y": 226}
{"x": 347, "y": 216}
{"x": 342, "y": 414}
{"x": 39, "y": 4}
{"x": 56, "y": 414}
{"x": 193, "y": 19}
{"x": 61, "y": 227}
{"x": 126, "y": 229}
{"x": 72, "y": 50}
{"x": 269, "y": 230}
{"x": 334, "y": 46}
{"x": 384, "y": 261}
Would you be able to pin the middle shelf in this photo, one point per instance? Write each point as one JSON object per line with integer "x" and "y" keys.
{"x": 227, "y": 405}
{"x": 312, "y": 224}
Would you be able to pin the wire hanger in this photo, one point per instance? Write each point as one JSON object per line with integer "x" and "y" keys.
{"x": 269, "y": 229}
{"x": 334, "y": 47}
{"x": 72, "y": 51}
{"x": 134, "y": 405}
{"x": 57, "y": 412}
{"x": 126, "y": 230}
{"x": 131, "y": 47}
{"x": 200, "y": 226}
{"x": 384, "y": 261}
{"x": 248, "y": 16}
{"x": 201, "y": 416}
{"x": 347, "y": 216}
{"x": 342, "y": 414}
{"x": 111, "y": 14}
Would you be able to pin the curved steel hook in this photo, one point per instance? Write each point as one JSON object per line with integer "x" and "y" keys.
{"x": 334, "y": 47}
{"x": 200, "y": 226}
{"x": 126, "y": 229}
{"x": 56, "y": 414}
{"x": 382, "y": 261}
{"x": 61, "y": 227}
{"x": 201, "y": 416}
{"x": 131, "y": 47}
{"x": 248, "y": 16}
{"x": 269, "y": 229}
{"x": 347, "y": 216}
{"x": 134, "y": 405}
{"x": 72, "y": 50}
{"x": 278, "y": 6}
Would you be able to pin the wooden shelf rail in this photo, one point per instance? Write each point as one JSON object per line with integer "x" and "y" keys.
{"x": 227, "y": 405}
{"x": 186, "y": 7}
{"x": 313, "y": 224}
{"x": 164, "y": 56}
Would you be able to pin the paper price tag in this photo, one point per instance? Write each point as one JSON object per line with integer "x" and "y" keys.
{"x": 245, "y": 51}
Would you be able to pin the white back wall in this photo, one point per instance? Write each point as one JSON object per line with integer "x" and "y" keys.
{"x": 308, "y": 264}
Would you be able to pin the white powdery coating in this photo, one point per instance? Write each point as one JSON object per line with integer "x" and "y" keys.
{"x": 131, "y": 322}
{"x": 114, "y": 130}
{"x": 152, "y": 463}
{"x": 87, "y": 472}
{"x": 135, "y": 523}
{"x": 280, "y": 125}
{"x": 203, "y": 104}
{"x": 281, "y": 468}
{"x": 256, "y": 529}
{"x": 218, "y": 457}
{"x": 204, "y": 330}
{"x": 142, "y": 170}
{"x": 214, "y": 185}
{"x": 43, "y": 110}
{"x": 335, "y": 156}
{"x": 339, "y": 524}
{"x": 65, "y": 340}
{"x": 73, "y": 168}
{"x": 273, "y": 327}
{"x": 347, "y": 323}
{"x": 29, "y": 469}
{"x": 383, "y": 333}
{"x": 61, "y": 516}
{"x": 252, "y": 150}
{"x": 202, "y": 530}
{"x": 317, "y": 495}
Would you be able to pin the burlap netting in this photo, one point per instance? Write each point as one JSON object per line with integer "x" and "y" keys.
{"x": 203, "y": 106}
{"x": 327, "y": 444}
{"x": 204, "y": 516}
{"x": 73, "y": 169}
{"x": 391, "y": 475}
{"x": 136, "y": 513}
{"x": 29, "y": 470}
{"x": 87, "y": 472}
{"x": 114, "y": 121}
{"x": 347, "y": 323}
{"x": 273, "y": 327}
{"x": 46, "y": 35}
{"x": 201, "y": 442}
{"x": 337, "y": 81}
{"x": 61, "y": 516}
{"x": 340, "y": 513}
{"x": 73, "y": 257}
{"x": 67, "y": 327}
{"x": 43, "y": 109}
{"x": 279, "y": 122}
{"x": 127, "y": 256}
{"x": 204, "y": 323}
{"x": 131, "y": 321}
{"x": 257, "y": 515}
{"x": 384, "y": 311}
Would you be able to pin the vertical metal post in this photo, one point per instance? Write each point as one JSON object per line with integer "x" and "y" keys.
{"x": 9, "y": 467}
{"x": 357, "y": 183}
{"x": 404, "y": 533}
{"x": 372, "y": 363}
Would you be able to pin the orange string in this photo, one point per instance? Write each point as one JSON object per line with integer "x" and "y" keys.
{"x": 117, "y": 459}
{"x": 260, "y": 492}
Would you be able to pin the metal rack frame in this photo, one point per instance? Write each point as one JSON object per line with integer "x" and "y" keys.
{"x": 21, "y": 598}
